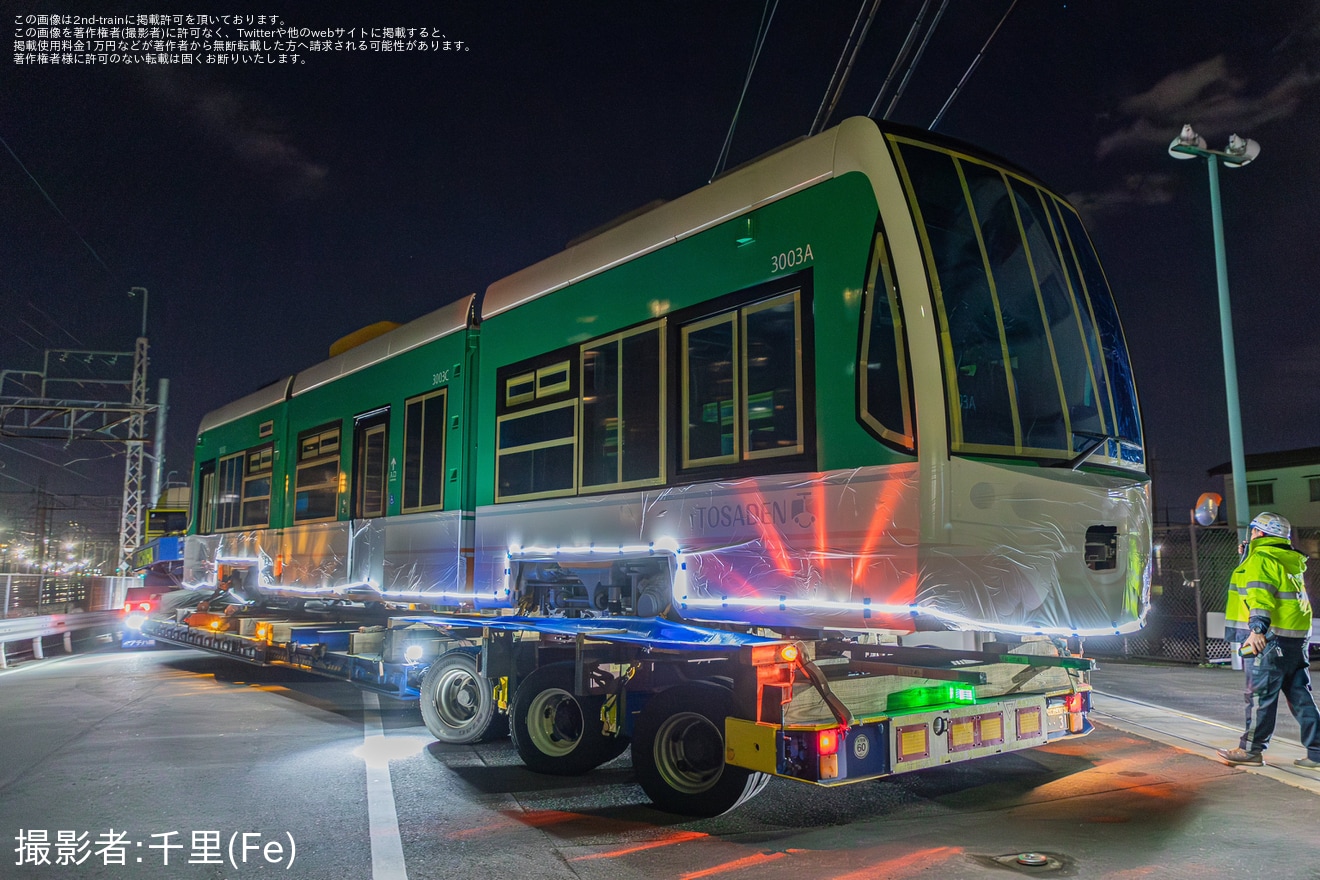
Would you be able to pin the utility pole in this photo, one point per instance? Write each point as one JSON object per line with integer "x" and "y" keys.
{"x": 43, "y": 536}
{"x": 158, "y": 452}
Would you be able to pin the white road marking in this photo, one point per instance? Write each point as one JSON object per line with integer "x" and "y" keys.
{"x": 386, "y": 844}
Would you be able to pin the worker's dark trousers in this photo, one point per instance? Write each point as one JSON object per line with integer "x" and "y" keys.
{"x": 1282, "y": 668}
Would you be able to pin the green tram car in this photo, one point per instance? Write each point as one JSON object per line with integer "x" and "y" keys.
{"x": 870, "y": 385}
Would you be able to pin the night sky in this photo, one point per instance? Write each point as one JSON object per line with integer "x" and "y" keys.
{"x": 272, "y": 209}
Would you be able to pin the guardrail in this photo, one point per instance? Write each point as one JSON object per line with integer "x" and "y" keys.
{"x": 19, "y": 629}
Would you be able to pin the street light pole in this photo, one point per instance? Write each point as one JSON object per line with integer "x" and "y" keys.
{"x": 1189, "y": 145}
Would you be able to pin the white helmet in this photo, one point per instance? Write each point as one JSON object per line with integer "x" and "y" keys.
{"x": 1272, "y": 524}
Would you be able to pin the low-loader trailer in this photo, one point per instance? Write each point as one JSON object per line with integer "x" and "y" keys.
{"x": 711, "y": 714}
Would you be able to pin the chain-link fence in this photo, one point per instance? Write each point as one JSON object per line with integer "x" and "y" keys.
{"x": 1189, "y": 577}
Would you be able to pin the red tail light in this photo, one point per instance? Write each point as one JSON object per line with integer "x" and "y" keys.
{"x": 827, "y": 741}
{"x": 1076, "y": 702}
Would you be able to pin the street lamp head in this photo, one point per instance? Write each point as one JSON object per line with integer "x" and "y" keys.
{"x": 1240, "y": 151}
{"x": 1187, "y": 138}
{"x": 1190, "y": 145}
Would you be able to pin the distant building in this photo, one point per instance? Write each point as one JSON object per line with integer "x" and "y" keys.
{"x": 1286, "y": 483}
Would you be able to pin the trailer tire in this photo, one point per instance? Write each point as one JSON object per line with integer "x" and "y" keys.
{"x": 458, "y": 703}
{"x": 555, "y": 731}
{"x": 678, "y": 752}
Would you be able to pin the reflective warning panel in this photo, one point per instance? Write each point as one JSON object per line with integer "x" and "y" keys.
{"x": 958, "y": 733}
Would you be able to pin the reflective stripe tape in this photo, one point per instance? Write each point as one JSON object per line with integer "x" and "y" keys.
{"x": 1290, "y": 633}
{"x": 1263, "y": 585}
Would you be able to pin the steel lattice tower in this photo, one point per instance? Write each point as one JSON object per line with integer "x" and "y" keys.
{"x": 130, "y": 518}
{"x": 131, "y": 515}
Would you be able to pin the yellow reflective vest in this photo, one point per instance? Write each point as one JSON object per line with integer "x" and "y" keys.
{"x": 1268, "y": 586}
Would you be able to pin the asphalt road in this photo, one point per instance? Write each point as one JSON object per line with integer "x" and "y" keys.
{"x": 188, "y": 766}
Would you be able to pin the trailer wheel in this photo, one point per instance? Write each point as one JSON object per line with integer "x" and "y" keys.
{"x": 555, "y": 731}
{"x": 678, "y": 752}
{"x": 457, "y": 702}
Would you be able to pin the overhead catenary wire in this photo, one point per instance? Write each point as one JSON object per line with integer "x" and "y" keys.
{"x": 57, "y": 324}
{"x": 975, "y": 62}
{"x": 20, "y": 338}
{"x": 57, "y": 464}
{"x": 16, "y": 479}
{"x": 767, "y": 15}
{"x": 902, "y": 55}
{"x": 30, "y": 326}
{"x": 842, "y": 68}
{"x": 57, "y": 210}
{"x": 916, "y": 59}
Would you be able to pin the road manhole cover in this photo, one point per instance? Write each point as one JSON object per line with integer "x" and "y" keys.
{"x": 1028, "y": 861}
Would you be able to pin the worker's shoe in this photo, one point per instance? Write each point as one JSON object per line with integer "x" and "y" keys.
{"x": 1307, "y": 763}
{"x": 1242, "y": 756}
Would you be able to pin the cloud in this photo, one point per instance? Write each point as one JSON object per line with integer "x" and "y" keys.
{"x": 1182, "y": 88}
{"x": 1302, "y": 367}
{"x": 1136, "y": 189}
{"x": 248, "y": 131}
{"x": 1209, "y": 95}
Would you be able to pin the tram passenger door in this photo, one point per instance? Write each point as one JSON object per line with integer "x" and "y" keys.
{"x": 205, "y": 514}
{"x": 370, "y": 464}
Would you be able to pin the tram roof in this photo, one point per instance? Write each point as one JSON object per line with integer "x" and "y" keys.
{"x": 429, "y": 327}
{"x": 849, "y": 146}
{"x": 832, "y": 153}
{"x": 275, "y": 392}
{"x": 434, "y": 325}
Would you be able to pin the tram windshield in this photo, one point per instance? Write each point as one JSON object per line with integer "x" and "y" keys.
{"x": 1035, "y": 363}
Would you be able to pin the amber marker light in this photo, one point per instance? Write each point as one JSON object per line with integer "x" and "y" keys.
{"x": 771, "y": 654}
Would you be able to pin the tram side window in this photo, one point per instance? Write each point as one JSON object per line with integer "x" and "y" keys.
{"x": 883, "y": 372}
{"x": 742, "y": 384}
{"x": 424, "y": 452}
{"x": 256, "y": 486}
{"x": 772, "y": 413}
{"x": 536, "y": 430}
{"x": 316, "y": 480}
{"x": 622, "y": 402}
{"x": 229, "y": 486}
{"x": 710, "y": 391}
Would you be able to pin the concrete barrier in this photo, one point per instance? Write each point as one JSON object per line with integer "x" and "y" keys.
{"x": 18, "y": 629}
